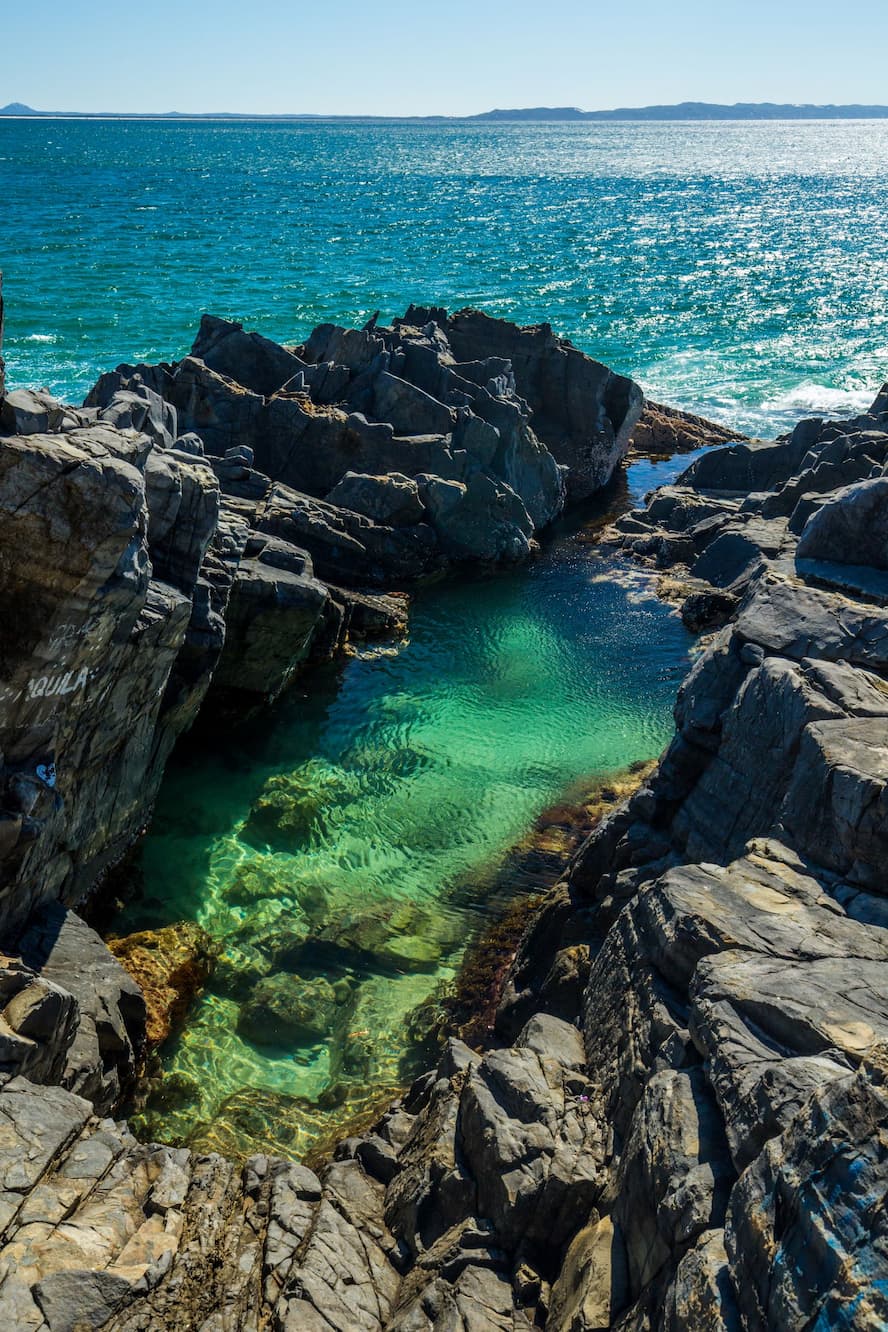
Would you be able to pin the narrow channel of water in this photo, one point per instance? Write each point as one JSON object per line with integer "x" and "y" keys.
{"x": 332, "y": 845}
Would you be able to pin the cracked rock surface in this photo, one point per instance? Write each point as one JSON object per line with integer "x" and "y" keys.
{"x": 684, "y": 1125}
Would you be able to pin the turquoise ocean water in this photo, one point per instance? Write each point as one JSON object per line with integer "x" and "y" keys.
{"x": 739, "y": 270}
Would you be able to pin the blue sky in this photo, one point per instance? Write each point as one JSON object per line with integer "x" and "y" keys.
{"x": 426, "y": 56}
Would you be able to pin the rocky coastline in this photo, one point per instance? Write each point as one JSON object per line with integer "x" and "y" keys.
{"x": 680, "y": 1118}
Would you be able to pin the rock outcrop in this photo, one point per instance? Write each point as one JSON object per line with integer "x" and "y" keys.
{"x": 684, "y": 1123}
{"x": 479, "y": 422}
{"x": 667, "y": 430}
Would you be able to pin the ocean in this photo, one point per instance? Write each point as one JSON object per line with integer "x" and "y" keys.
{"x": 739, "y": 269}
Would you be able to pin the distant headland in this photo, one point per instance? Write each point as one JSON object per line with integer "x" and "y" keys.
{"x": 680, "y": 111}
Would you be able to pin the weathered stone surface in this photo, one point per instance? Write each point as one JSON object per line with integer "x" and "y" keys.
{"x": 583, "y": 412}
{"x": 851, "y": 527}
{"x": 806, "y": 1233}
{"x": 391, "y": 499}
{"x": 102, "y": 1059}
{"x": 662, "y": 429}
{"x": 270, "y": 621}
{"x": 687, "y": 1129}
{"x": 36, "y": 412}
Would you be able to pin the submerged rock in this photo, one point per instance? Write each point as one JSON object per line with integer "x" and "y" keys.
{"x": 171, "y": 967}
{"x": 293, "y": 807}
{"x": 286, "y": 1010}
{"x": 384, "y": 934}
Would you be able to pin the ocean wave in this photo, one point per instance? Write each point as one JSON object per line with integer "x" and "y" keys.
{"x": 820, "y": 400}
{"x": 38, "y": 337}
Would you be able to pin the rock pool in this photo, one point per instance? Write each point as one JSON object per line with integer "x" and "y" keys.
{"x": 337, "y": 846}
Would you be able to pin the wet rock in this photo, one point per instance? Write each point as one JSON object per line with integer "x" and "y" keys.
{"x": 293, "y": 806}
{"x": 707, "y": 610}
{"x": 171, "y": 966}
{"x": 392, "y": 934}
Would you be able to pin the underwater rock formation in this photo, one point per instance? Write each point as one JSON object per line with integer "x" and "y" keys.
{"x": 170, "y": 967}
{"x": 684, "y": 1123}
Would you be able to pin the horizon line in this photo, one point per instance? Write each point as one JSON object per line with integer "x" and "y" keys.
{"x": 686, "y": 110}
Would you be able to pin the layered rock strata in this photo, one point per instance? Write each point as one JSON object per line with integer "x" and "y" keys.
{"x": 685, "y": 1124}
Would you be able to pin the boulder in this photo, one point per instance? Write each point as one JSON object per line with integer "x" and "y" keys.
{"x": 392, "y": 499}
{"x": 851, "y": 527}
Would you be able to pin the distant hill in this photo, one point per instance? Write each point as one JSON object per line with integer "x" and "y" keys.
{"x": 696, "y": 111}
{"x": 681, "y": 111}
{"x": 538, "y": 113}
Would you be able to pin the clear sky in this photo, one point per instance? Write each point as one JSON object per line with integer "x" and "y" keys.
{"x": 455, "y": 57}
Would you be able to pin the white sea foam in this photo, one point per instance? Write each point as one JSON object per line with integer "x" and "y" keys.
{"x": 39, "y": 337}
{"x": 810, "y": 399}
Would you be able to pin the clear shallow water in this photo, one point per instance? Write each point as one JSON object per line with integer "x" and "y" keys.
{"x": 412, "y": 775}
{"x": 738, "y": 269}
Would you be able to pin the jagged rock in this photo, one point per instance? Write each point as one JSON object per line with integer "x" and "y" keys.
{"x": 583, "y": 412}
{"x": 389, "y": 934}
{"x": 667, "y": 430}
{"x": 806, "y": 1234}
{"x": 38, "y": 1023}
{"x": 477, "y": 518}
{"x": 85, "y": 725}
{"x": 141, "y": 408}
{"x": 851, "y": 527}
{"x": 694, "y": 1141}
{"x": 271, "y": 618}
{"x": 348, "y": 547}
{"x": 291, "y": 806}
{"x": 394, "y": 401}
{"x": 35, "y": 412}
{"x": 392, "y": 499}
{"x": 102, "y": 1059}
{"x": 259, "y": 364}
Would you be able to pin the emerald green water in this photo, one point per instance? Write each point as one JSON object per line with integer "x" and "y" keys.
{"x": 406, "y": 775}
